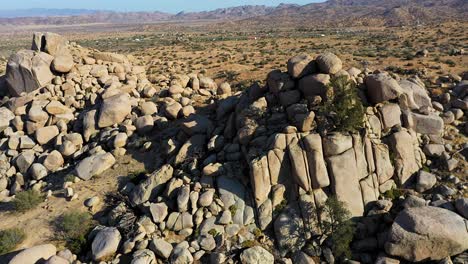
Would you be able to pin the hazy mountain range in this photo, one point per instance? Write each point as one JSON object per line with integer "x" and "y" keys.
{"x": 331, "y": 12}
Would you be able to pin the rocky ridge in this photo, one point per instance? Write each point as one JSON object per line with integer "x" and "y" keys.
{"x": 237, "y": 167}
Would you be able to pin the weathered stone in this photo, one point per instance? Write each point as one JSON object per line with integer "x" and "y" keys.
{"x": 114, "y": 110}
{"x": 44, "y": 135}
{"x": 144, "y": 124}
{"x": 300, "y": 66}
{"x": 336, "y": 143}
{"x": 416, "y": 95}
{"x": 34, "y": 254}
{"x": 53, "y": 161}
{"x": 89, "y": 124}
{"x": 260, "y": 179}
{"x": 427, "y": 233}
{"x": 256, "y": 255}
{"x": 197, "y": 124}
{"x": 192, "y": 149}
{"x": 315, "y": 84}
{"x": 181, "y": 254}
{"x": 390, "y": 115}
{"x": 57, "y": 108}
{"x": 299, "y": 165}
{"x": 425, "y": 181}
{"x": 172, "y": 110}
{"x": 424, "y": 124}
{"x": 162, "y": 248}
{"x": 434, "y": 150}
{"x": 151, "y": 186}
{"x": 106, "y": 243}
{"x": 383, "y": 165}
{"x": 148, "y": 108}
{"x": 403, "y": 147}
{"x": 279, "y": 166}
{"x": 345, "y": 181}
{"x": 143, "y": 256}
{"x": 461, "y": 205}
{"x": 111, "y": 57}
{"x": 94, "y": 165}
{"x": 316, "y": 163}
{"x": 37, "y": 171}
{"x": 28, "y": 71}
{"x": 158, "y": 212}
{"x": 62, "y": 63}
{"x": 5, "y": 117}
{"x": 51, "y": 43}
{"x": 381, "y": 87}
{"x": 329, "y": 63}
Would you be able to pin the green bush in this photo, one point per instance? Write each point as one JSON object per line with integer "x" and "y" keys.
{"x": 27, "y": 200}
{"x": 337, "y": 226}
{"x": 73, "y": 228}
{"x": 343, "y": 107}
{"x": 9, "y": 239}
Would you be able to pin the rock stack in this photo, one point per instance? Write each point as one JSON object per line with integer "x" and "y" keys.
{"x": 234, "y": 164}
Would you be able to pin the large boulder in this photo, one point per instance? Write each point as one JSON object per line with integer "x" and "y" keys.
{"x": 94, "y": 165}
{"x": 114, "y": 110}
{"x": 345, "y": 181}
{"x": 416, "y": 95}
{"x": 256, "y": 255}
{"x": 382, "y": 87}
{"x": 427, "y": 233}
{"x": 63, "y": 63}
{"x": 151, "y": 186}
{"x": 106, "y": 243}
{"x": 300, "y": 66}
{"x": 315, "y": 84}
{"x": 28, "y": 71}
{"x": 5, "y": 117}
{"x": 51, "y": 43}
{"x": 329, "y": 63}
{"x": 34, "y": 254}
{"x": 260, "y": 179}
{"x": 404, "y": 147}
{"x": 431, "y": 124}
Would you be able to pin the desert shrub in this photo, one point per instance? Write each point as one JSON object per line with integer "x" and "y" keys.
{"x": 73, "y": 227}
{"x": 337, "y": 226}
{"x": 27, "y": 200}
{"x": 343, "y": 107}
{"x": 393, "y": 194}
{"x": 9, "y": 239}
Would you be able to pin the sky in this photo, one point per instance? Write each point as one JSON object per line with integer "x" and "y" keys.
{"x": 172, "y": 6}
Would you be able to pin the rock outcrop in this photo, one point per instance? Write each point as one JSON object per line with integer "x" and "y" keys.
{"x": 232, "y": 165}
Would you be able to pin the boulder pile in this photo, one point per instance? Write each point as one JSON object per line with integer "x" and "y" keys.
{"x": 236, "y": 165}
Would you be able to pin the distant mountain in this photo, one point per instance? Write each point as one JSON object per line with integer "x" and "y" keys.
{"x": 329, "y": 13}
{"x": 44, "y": 12}
{"x": 367, "y": 13}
